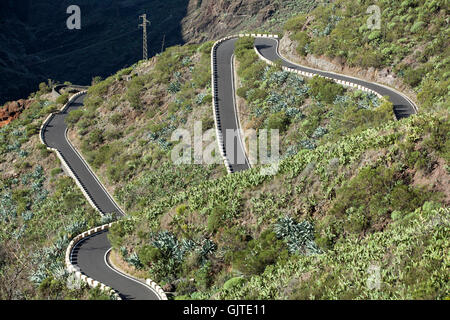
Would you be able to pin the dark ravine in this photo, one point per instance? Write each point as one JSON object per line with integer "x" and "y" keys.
{"x": 90, "y": 254}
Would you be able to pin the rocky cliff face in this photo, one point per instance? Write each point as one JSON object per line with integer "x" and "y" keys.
{"x": 12, "y": 110}
{"x": 210, "y": 19}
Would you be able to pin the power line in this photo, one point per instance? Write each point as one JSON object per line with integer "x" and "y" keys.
{"x": 80, "y": 49}
{"x": 163, "y": 43}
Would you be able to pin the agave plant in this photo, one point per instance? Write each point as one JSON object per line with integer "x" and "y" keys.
{"x": 299, "y": 236}
{"x": 38, "y": 172}
{"x": 108, "y": 218}
{"x": 186, "y": 61}
{"x": 174, "y": 87}
{"x": 22, "y": 153}
{"x": 123, "y": 252}
{"x": 279, "y": 77}
{"x": 166, "y": 242}
{"x": 61, "y": 243}
{"x": 60, "y": 272}
{"x": 200, "y": 97}
{"x": 76, "y": 227}
{"x": 38, "y": 276}
{"x": 308, "y": 144}
{"x": 319, "y": 132}
{"x": 293, "y": 112}
{"x": 27, "y": 215}
{"x": 207, "y": 248}
{"x": 134, "y": 260}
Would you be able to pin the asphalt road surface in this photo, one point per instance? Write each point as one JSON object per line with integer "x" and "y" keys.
{"x": 227, "y": 113}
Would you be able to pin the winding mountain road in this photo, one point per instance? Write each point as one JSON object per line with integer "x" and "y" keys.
{"x": 90, "y": 255}
{"x": 268, "y": 48}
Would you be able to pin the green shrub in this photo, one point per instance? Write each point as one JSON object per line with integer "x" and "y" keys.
{"x": 44, "y": 88}
{"x": 370, "y": 197}
{"x": 96, "y": 137}
{"x": 325, "y": 89}
{"x": 242, "y": 92}
{"x": 62, "y": 99}
{"x": 118, "y": 231}
{"x": 149, "y": 255}
{"x": 302, "y": 39}
{"x": 32, "y": 129}
{"x": 261, "y": 252}
{"x": 135, "y": 87}
{"x": 242, "y": 46}
{"x": 55, "y": 171}
{"x": 215, "y": 219}
{"x": 73, "y": 117}
{"x": 116, "y": 118}
{"x": 413, "y": 76}
{"x": 233, "y": 282}
{"x": 278, "y": 121}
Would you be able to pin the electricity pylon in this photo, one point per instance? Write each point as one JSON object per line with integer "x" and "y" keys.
{"x": 144, "y": 42}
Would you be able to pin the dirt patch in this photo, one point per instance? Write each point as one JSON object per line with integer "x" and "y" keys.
{"x": 438, "y": 180}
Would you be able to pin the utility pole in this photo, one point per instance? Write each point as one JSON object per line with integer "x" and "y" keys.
{"x": 144, "y": 43}
{"x": 163, "y": 42}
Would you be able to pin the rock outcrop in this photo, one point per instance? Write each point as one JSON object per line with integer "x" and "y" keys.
{"x": 12, "y": 110}
{"x": 211, "y": 19}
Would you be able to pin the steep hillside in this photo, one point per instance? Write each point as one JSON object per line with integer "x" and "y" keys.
{"x": 410, "y": 51}
{"x": 36, "y": 45}
{"x": 343, "y": 197}
{"x": 359, "y": 208}
{"x": 212, "y": 19}
{"x": 125, "y": 131}
{"x": 41, "y": 209}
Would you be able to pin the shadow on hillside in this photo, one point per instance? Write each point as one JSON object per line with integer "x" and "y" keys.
{"x": 36, "y": 45}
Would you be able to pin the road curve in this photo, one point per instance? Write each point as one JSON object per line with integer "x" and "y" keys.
{"x": 223, "y": 77}
{"x": 89, "y": 255}
{"x": 403, "y": 106}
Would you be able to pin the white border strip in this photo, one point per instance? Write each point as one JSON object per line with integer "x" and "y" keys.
{"x": 150, "y": 284}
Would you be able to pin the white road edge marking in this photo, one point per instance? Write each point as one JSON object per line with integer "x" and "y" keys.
{"x": 127, "y": 276}
{"x": 238, "y": 126}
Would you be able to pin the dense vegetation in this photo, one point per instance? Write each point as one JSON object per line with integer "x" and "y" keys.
{"x": 125, "y": 129}
{"x": 412, "y": 41}
{"x": 354, "y": 182}
{"x": 354, "y": 193}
